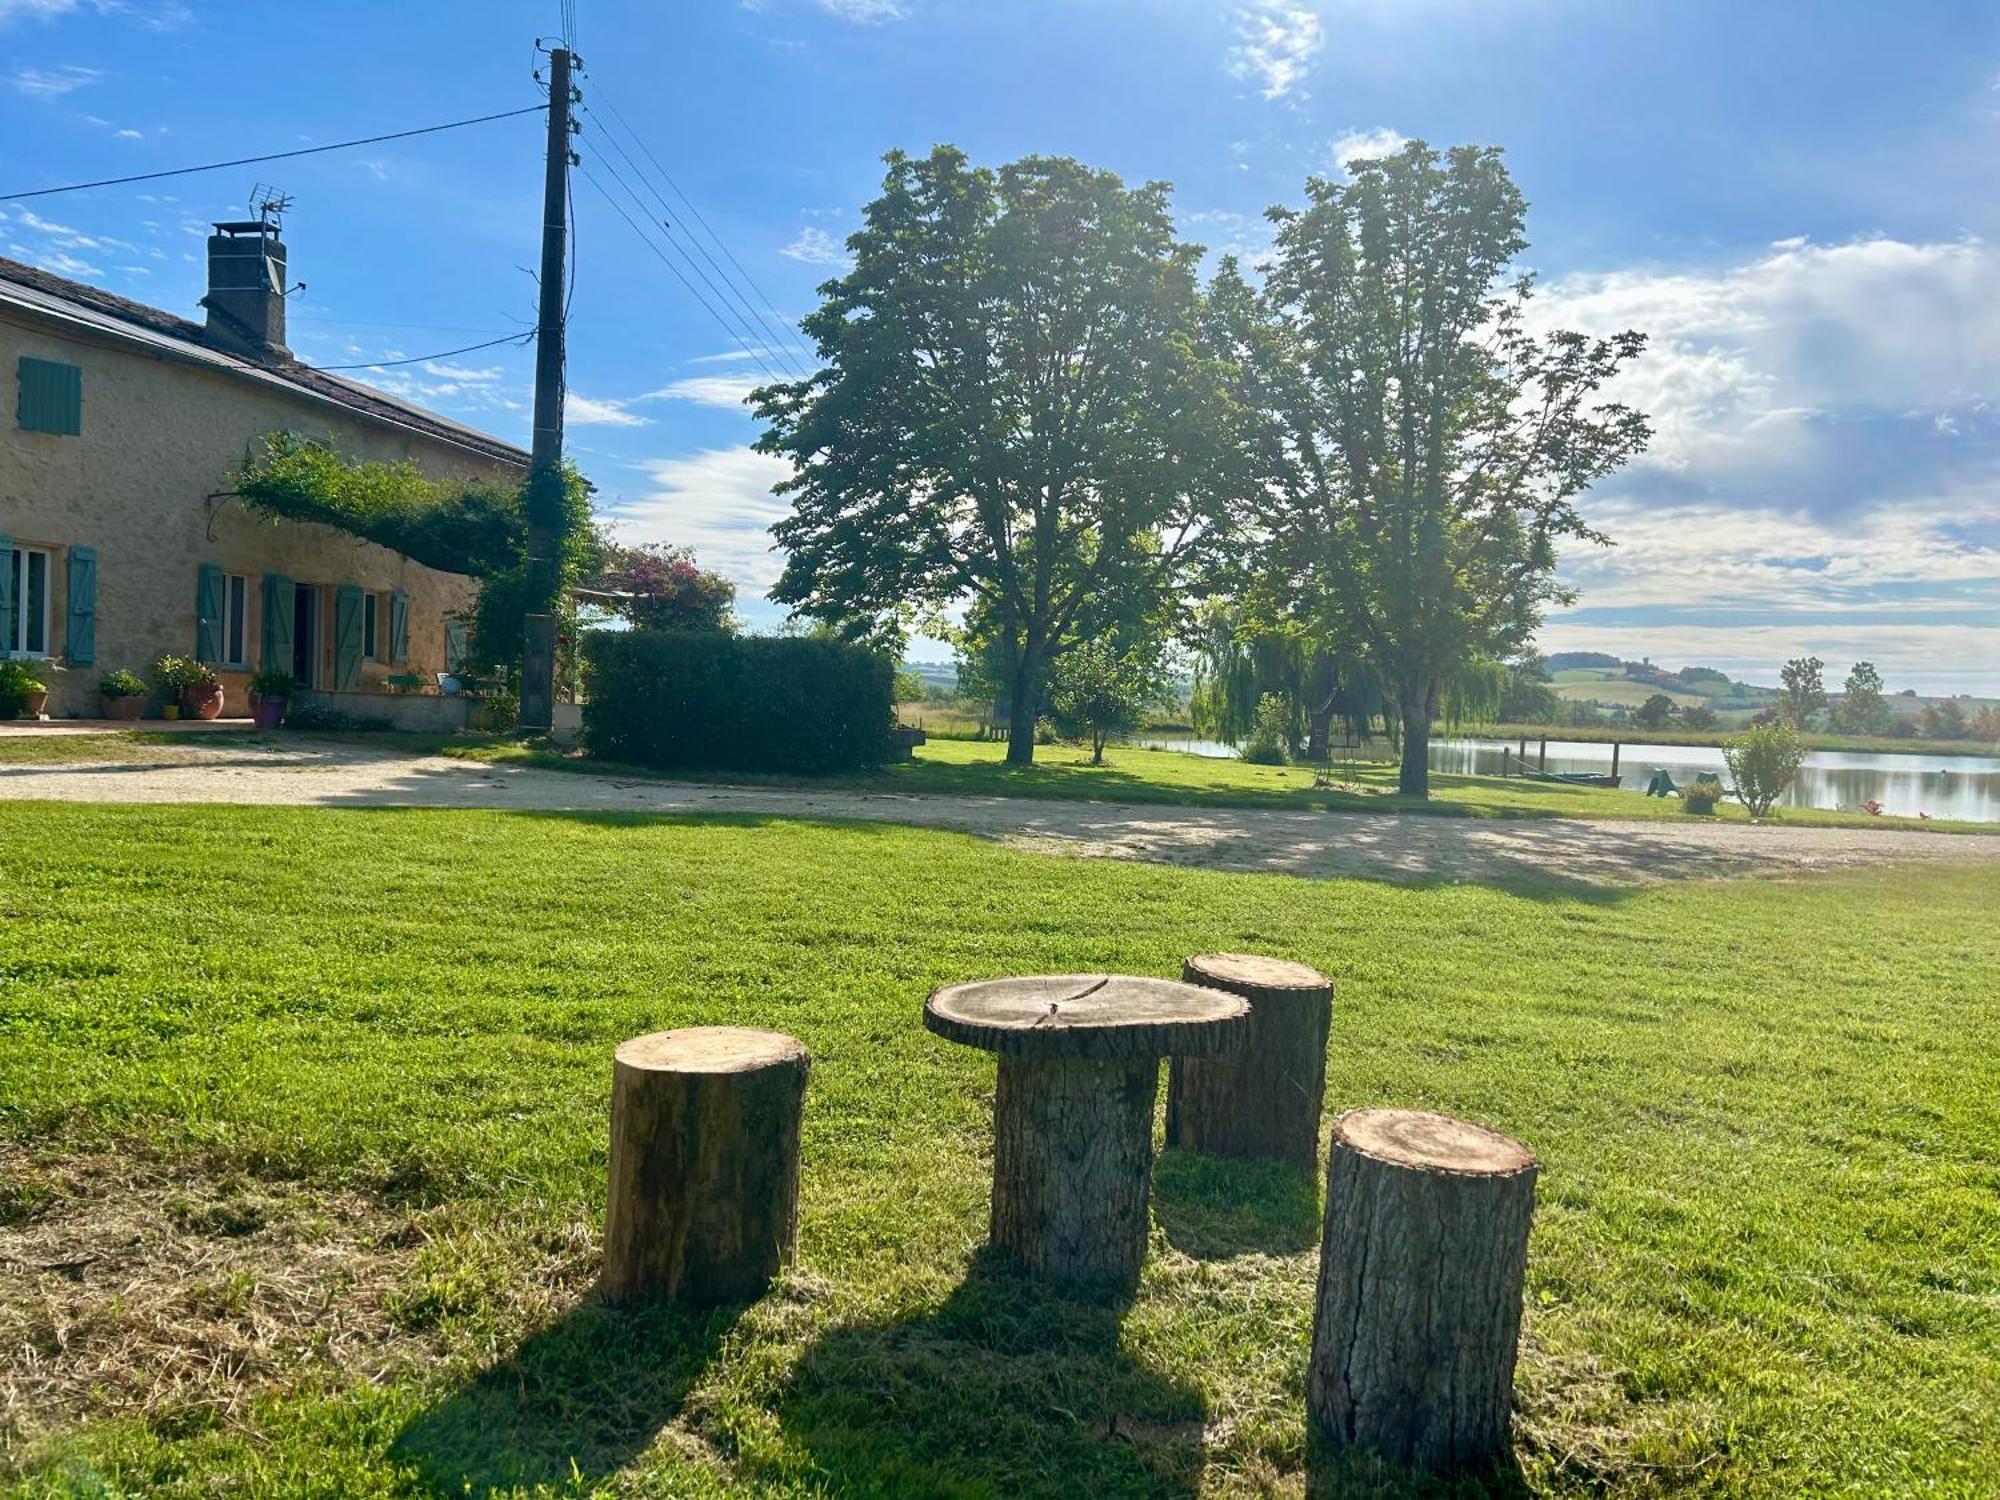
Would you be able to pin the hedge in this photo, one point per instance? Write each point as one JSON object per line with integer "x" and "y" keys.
{"x": 743, "y": 703}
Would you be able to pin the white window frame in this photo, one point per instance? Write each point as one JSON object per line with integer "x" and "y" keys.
{"x": 235, "y": 621}
{"x": 20, "y": 598}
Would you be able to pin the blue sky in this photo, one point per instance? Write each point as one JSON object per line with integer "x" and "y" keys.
{"x": 1796, "y": 201}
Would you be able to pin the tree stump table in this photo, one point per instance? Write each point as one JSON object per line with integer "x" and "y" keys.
{"x": 1264, "y": 1098}
{"x": 704, "y": 1197}
{"x": 1079, "y": 1069}
{"x": 1420, "y": 1273}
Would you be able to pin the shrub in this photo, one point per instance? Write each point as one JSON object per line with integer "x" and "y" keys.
{"x": 1763, "y": 760}
{"x": 121, "y": 684}
{"x": 1701, "y": 796}
{"x": 16, "y": 682}
{"x": 750, "y": 703}
{"x": 273, "y": 682}
{"x": 1268, "y": 732}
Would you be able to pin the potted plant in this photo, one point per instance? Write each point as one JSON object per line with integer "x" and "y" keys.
{"x": 170, "y": 676}
{"x": 270, "y": 691}
{"x": 22, "y": 693}
{"x": 201, "y": 690}
{"x": 123, "y": 692}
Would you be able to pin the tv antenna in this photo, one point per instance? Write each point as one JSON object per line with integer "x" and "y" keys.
{"x": 269, "y": 204}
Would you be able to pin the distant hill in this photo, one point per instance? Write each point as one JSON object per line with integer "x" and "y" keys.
{"x": 1600, "y": 678}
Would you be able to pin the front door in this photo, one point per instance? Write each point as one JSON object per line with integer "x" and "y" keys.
{"x": 305, "y": 635}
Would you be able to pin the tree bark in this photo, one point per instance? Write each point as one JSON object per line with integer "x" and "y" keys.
{"x": 1413, "y": 778}
{"x": 1073, "y": 1165}
{"x": 1021, "y": 718}
{"x": 1419, "y": 1301}
{"x": 703, "y": 1203}
{"x": 1264, "y": 1098}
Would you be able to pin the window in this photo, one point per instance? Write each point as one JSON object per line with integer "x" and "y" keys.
{"x": 368, "y": 605}
{"x": 51, "y": 397}
{"x": 235, "y": 620}
{"x": 25, "y": 631}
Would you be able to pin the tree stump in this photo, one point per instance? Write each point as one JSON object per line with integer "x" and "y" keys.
{"x": 1073, "y": 1110}
{"x": 1264, "y": 1097}
{"x": 1420, "y": 1277}
{"x": 704, "y": 1196}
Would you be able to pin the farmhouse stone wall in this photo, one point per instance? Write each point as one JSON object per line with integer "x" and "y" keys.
{"x": 159, "y": 439}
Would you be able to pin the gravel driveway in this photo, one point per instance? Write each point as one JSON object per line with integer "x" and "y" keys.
{"x": 1317, "y": 844}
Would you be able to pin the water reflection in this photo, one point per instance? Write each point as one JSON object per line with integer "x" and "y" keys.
{"x": 1965, "y": 787}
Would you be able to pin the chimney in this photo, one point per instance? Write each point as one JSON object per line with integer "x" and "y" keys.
{"x": 246, "y": 289}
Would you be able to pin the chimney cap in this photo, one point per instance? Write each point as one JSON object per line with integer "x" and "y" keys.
{"x": 245, "y": 226}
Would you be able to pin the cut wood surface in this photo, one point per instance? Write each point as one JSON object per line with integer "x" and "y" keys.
{"x": 704, "y": 1192}
{"x": 1264, "y": 1097}
{"x": 1105, "y": 1016}
{"x": 1418, "y": 1311}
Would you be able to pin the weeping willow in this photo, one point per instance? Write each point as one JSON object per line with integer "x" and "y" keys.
{"x": 1237, "y": 668}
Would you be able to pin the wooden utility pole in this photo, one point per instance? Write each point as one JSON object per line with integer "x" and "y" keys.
{"x": 545, "y": 512}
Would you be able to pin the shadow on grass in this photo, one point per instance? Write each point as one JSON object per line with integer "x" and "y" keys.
{"x": 1361, "y": 1476}
{"x": 1212, "y": 1208}
{"x": 583, "y": 1397}
{"x": 1008, "y": 1388}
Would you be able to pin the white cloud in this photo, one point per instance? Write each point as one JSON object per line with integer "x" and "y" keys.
{"x": 866, "y": 12}
{"x": 154, "y": 15}
{"x": 727, "y": 391}
{"x": 1277, "y": 41}
{"x": 51, "y": 83}
{"x": 1362, "y": 145}
{"x": 587, "y": 411}
{"x": 718, "y": 502}
{"x": 463, "y": 373}
{"x": 34, "y": 10}
{"x": 816, "y": 247}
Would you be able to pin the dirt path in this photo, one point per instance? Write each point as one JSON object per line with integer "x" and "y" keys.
{"x": 1316, "y": 844}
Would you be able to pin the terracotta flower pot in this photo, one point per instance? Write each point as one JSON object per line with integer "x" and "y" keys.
{"x": 204, "y": 702}
{"x": 34, "y": 705}
{"x": 124, "y": 708}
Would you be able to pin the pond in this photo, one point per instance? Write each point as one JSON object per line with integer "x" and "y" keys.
{"x": 1966, "y": 787}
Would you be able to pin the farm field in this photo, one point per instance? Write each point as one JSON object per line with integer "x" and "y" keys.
{"x": 337, "y": 1142}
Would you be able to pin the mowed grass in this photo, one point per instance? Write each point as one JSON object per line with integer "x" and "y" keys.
{"x": 1766, "y": 1260}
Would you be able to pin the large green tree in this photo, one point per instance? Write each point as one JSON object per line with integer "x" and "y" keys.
{"x": 1014, "y": 413}
{"x": 1421, "y": 448}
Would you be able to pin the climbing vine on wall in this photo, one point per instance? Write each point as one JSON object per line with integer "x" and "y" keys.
{"x": 472, "y": 527}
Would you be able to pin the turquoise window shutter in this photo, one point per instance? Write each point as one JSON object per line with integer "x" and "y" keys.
{"x": 347, "y": 628}
{"x": 399, "y": 627}
{"x": 208, "y": 614}
{"x": 276, "y": 607}
{"x": 82, "y": 647}
{"x": 50, "y": 398}
{"x": 7, "y": 621}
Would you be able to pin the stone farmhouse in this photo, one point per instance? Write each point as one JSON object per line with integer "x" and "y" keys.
{"x": 120, "y": 427}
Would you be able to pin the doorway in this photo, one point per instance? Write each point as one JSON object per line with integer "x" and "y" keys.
{"x": 305, "y": 634}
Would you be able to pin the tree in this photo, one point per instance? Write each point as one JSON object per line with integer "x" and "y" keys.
{"x": 1654, "y": 712}
{"x": 1015, "y": 407}
{"x": 1763, "y": 761}
{"x": 1098, "y": 692}
{"x": 1528, "y": 698}
{"x": 1863, "y": 707}
{"x": 660, "y": 587}
{"x": 1420, "y": 451}
{"x": 1699, "y": 716}
{"x": 1943, "y": 720}
{"x": 1804, "y": 691}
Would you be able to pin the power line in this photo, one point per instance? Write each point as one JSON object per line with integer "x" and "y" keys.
{"x": 384, "y": 364}
{"x": 765, "y": 333}
{"x": 721, "y": 294}
{"x": 693, "y": 291}
{"x": 776, "y": 323}
{"x": 245, "y": 161}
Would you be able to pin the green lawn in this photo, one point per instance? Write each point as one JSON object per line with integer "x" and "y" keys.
{"x": 347, "y": 1073}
